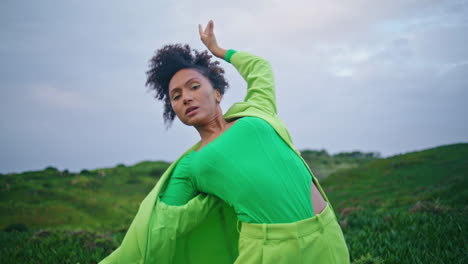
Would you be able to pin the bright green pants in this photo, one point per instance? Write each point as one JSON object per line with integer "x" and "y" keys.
{"x": 318, "y": 239}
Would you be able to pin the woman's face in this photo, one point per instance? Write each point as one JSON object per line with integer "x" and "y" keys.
{"x": 193, "y": 98}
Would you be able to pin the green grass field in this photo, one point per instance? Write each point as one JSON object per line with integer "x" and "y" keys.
{"x": 409, "y": 208}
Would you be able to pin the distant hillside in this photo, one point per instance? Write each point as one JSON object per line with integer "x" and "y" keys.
{"x": 438, "y": 174}
{"x": 323, "y": 164}
{"x": 106, "y": 197}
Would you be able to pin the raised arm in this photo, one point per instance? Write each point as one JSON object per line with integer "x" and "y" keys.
{"x": 258, "y": 74}
{"x": 256, "y": 71}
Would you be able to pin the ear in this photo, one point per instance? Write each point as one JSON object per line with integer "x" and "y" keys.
{"x": 218, "y": 96}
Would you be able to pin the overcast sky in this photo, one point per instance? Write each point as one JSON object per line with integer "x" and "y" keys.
{"x": 383, "y": 76}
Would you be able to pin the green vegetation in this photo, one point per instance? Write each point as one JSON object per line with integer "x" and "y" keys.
{"x": 403, "y": 180}
{"x": 102, "y": 198}
{"x": 409, "y": 208}
{"x": 58, "y": 246}
{"x": 323, "y": 164}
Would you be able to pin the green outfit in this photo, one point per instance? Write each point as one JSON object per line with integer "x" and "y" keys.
{"x": 204, "y": 230}
{"x": 252, "y": 169}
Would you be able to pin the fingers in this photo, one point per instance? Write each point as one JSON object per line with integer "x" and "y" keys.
{"x": 211, "y": 26}
{"x": 209, "y": 30}
{"x": 200, "y": 29}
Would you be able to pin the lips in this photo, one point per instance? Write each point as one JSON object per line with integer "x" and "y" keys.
{"x": 190, "y": 109}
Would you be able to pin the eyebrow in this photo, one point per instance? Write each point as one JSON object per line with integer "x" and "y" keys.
{"x": 187, "y": 82}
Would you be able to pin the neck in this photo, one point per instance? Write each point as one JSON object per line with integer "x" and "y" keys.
{"x": 212, "y": 129}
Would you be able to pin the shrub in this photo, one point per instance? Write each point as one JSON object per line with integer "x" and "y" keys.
{"x": 133, "y": 180}
{"x": 16, "y": 228}
{"x": 50, "y": 168}
{"x": 431, "y": 207}
{"x": 157, "y": 172}
{"x": 368, "y": 259}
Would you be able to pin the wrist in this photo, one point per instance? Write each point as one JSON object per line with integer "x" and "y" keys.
{"x": 219, "y": 52}
{"x": 228, "y": 55}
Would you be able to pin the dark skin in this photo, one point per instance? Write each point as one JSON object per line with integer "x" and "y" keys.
{"x": 193, "y": 98}
{"x": 196, "y": 103}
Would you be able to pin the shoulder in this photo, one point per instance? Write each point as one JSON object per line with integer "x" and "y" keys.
{"x": 183, "y": 166}
{"x": 254, "y": 120}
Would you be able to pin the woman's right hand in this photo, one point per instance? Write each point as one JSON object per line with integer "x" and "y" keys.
{"x": 208, "y": 38}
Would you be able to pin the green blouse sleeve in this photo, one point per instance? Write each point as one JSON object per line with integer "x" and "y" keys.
{"x": 228, "y": 55}
{"x": 258, "y": 74}
{"x": 180, "y": 188}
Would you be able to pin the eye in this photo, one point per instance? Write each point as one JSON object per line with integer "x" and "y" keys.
{"x": 196, "y": 86}
{"x": 175, "y": 97}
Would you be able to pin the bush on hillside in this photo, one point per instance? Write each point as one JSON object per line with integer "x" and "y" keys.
{"x": 50, "y": 168}
{"x": 16, "y": 228}
{"x": 157, "y": 172}
{"x": 358, "y": 154}
{"x": 434, "y": 207}
{"x": 368, "y": 259}
{"x": 133, "y": 180}
{"x": 315, "y": 153}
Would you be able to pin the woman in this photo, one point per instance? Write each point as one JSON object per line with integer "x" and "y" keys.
{"x": 243, "y": 193}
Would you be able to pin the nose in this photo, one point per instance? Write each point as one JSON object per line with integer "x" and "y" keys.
{"x": 187, "y": 98}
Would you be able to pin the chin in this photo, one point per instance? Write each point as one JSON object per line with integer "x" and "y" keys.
{"x": 194, "y": 121}
{"x": 200, "y": 119}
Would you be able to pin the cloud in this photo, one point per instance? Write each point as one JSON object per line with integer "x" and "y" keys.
{"x": 62, "y": 99}
{"x": 364, "y": 74}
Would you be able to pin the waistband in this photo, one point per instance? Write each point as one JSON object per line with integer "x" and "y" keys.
{"x": 289, "y": 230}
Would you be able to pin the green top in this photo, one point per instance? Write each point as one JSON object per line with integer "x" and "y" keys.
{"x": 252, "y": 169}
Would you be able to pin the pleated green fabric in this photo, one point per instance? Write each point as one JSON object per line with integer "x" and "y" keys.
{"x": 318, "y": 239}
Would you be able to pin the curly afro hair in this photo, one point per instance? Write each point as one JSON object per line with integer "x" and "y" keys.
{"x": 168, "y": 60}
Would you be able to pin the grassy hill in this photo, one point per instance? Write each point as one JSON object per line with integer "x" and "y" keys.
{"x": 438, "y": 175}
{"x": 409, "y": 208}
{"x": 102, "y": 198}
